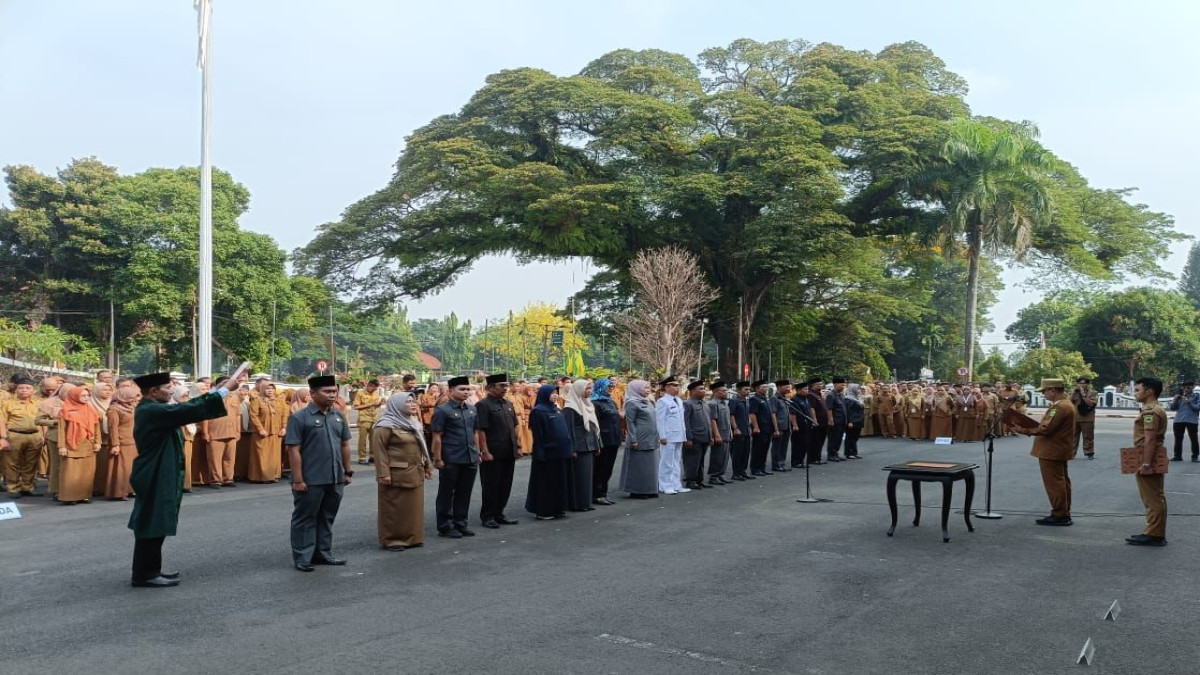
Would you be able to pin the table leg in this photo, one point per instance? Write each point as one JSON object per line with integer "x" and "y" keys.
{"x": 947, "y": 495}
{"x": 970, "y": 481}
{"x": 891, "y": 496}
{"x": 916, "y": 488}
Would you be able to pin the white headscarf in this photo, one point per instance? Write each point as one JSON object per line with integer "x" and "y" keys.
{"x": 582, "y": 404}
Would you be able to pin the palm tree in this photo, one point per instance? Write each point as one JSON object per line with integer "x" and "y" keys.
{"x": 992, "y": 179}
{"x": 931, "y": 338}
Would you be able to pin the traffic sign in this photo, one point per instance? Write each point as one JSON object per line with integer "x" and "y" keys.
{"x": 322, "y": 366}
{"x": 962, "y": 371}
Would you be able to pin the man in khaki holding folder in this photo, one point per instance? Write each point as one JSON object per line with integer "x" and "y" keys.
{"x": 1054, "y": 445}
{"x": 1149, "y": 432}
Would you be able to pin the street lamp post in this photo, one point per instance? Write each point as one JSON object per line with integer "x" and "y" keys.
{"x": 700, "y": 362}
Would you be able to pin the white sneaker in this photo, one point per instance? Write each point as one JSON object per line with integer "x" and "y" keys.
{"x": 685, "y": 489}
{"x": 670, "y": 492}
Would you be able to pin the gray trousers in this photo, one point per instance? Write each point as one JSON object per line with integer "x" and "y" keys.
{"x": 312, "y": 521}
{"x": 718, "y": 459}
{"x": 693, "y": 462}
{"x": 779, "y": 448}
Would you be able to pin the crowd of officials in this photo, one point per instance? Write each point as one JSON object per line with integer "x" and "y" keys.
{"x": 677, "y": 438}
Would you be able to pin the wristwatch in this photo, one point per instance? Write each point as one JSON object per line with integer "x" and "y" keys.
{"x": 349, "y": 473}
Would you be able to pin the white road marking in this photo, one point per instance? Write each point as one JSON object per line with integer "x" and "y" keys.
{"x": 672, "y": 651}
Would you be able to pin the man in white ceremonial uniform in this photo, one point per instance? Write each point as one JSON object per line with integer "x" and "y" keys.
{"x": 668, "y": 414}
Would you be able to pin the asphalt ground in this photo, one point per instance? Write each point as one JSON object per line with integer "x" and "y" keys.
{"x": 735, "y": 579}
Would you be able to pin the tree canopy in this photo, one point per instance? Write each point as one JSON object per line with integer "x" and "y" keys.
{"x": 77, "y": 241}
{"x": 771, "y": 162}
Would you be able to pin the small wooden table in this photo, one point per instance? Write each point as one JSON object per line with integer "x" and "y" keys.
{"x": 931, "y": 471}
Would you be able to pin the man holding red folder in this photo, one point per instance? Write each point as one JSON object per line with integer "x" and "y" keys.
{"x": 1054, "y": 445}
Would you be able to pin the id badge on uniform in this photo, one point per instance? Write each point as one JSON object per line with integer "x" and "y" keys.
{"x": 318, "y": 422}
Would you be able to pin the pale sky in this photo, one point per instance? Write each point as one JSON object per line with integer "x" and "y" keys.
{"x": 313, "y": 98}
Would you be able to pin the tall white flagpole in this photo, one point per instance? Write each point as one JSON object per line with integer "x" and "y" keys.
{"x": 204, "y": 341}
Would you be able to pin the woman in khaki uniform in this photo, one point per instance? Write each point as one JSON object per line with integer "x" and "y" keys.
{"x": 47, "y": 417}
{"x": 403, "y": 465}
{"x": 102, "y": 395}
{"x": 914, "y": 413}
{"x": 868, "y": 401}
{"x": 79, "y": 440}
{"x": 121, "y": 448}
{"x": 200, "y": 474}
{"x": 265, "y": 418}
{"x": 181, "y": 394}
{"x": 943, "y": 415}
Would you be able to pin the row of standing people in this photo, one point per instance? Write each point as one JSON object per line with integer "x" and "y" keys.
{"x": 244, "y": 444}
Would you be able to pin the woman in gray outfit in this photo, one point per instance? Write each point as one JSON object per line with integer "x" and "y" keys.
{"x": 639, "y": 466}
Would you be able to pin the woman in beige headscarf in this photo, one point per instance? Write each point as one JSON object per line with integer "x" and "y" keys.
{"x": 121, "y": 448}
{"x": 402, "y": 465}
{"x": 47, "y": 418}
{"x": 182, "y": 394}
{"x": 266, "y": 417}
{"x": 78, "y": 442}
{"x": 580, "y": 415}
{"x": 301, "y": 397}
{"x": 102, "y": 395}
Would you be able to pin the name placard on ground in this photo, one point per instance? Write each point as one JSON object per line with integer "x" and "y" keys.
{"x": 9, "y": 511}
{"x": 943, "y": 440}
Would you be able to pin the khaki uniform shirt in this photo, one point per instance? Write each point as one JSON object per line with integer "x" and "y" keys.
{"x": 1152, "y": 421}
{"x": 369, "y": 415}
{"x": 1054, "y": 438}
{"x": 18, "y": 416}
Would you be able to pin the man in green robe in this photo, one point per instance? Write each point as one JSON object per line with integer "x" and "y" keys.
{"x": 157, "y": 476}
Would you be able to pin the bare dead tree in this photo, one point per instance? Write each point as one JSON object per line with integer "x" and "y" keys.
{"x": 664, "y": 324}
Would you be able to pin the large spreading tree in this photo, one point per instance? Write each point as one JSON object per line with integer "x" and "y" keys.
{"x": 770, "y": 162}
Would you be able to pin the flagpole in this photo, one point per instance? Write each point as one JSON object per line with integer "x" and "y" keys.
{"x": 204, "y": 341}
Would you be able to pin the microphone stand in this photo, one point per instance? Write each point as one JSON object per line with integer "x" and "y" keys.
{"x": 990, "y": 437}
{"x": 808, "y": 498}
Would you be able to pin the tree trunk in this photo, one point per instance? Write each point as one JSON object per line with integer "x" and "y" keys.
{"x": 974, "y": 241}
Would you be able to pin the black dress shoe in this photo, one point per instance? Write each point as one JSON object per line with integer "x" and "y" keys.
{"x": 1091, "y": 456}
{"x": 491, "y": 524}
{"x": 1054, "y": 521}
{"x": 329, "y": 561}
{"x": 707, "y": 485}
{"x": 833, "y": 458}
{"x": 156, "y": 582}
{"x": 738, "y": 476}
{"x": 747, "y": 476}
{"x": 1145, "y": 540}
{"x": 1176, "y": 459}
{"x": 465, "y": 532}
{"x": 173, "y": 576}
{"x": 451, "y": 534}
{"x": 304, "y": 567}
{"x": 215, "y": 486}
{"x": 1196, "y": 459}
{"x": 853, "y": 457}
{"x": 229, "y": 484}
{"x": 509, "y": 521}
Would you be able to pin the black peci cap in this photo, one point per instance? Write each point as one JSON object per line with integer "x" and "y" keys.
{"x": 152, "y": 380}
{"x": 498, "y": 378}
{"x": 322, "y": 381}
